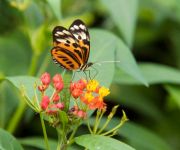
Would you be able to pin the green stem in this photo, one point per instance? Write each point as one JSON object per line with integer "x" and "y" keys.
{"x": 13, "y": 123}
{"x": 62, "y": 141}
{"x": 114, "y": 129}
{"x": 74, "y": 132}
{"x": 44, "y": 132}
{"x": 96, "y": 122}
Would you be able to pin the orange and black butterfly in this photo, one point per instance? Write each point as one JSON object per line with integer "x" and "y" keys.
{"x": 71, "y": 46}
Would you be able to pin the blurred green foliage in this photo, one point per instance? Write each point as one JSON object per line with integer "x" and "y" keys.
{"x": 143, "y": 35}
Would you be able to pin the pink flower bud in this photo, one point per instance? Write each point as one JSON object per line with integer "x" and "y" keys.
{"x": 45, "y": 102}
{"x": 59, "y": 86}
{"x": 56, "y": 97}
{"x": 45, "y": 78}
{"x": 57, "y": 78}
{"x": 76, "y": 93}
{"x": 60, "y": 106}
{"x": 81, "y": 114}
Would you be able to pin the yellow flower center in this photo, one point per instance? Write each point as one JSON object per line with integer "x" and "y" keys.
{"x": 103, "y": 91}
{"x": 92, "y": 85}
{"x": 88, "y": 96}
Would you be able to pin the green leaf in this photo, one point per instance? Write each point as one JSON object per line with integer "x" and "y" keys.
{"x": 124, "y": 15}
{"x": 141, "y": 138}
{"x": 8, "y": 142}
{"x": 38, "y": 142}
{"x": 128, "y": 63}
{"x": 27, "y": 82}
{"x": 55, "y": 7}
{"x": 153, "y": 73}
{"x": 98, "y": 142}
{"x": 101, "y": 50}
{"x": 174, "y": 92}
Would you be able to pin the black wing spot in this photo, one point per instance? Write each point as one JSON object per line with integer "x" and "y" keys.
{"x": 86, "y": 42}
{"x": 84, "y": 48}
{"x": 78, "y": 52}
{"x": 66, "y": 44}
{"x": 65, "y": 59}
{"x": 72, "y": 66}
{"x": 75, "y": 45}
{"x": 79, "y": 37}
{"x": 68, "y": 62}
{"x": 67, "y": 41}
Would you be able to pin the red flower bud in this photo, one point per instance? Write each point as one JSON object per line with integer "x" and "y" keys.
{"x": 72, "y": 86}
{"x": 56, "y": 97}
{"x": 76, "y": 93}
{"x": 45, "y": 78}
{"x": 57, "y": 78}
{"x": 45, "y": 102}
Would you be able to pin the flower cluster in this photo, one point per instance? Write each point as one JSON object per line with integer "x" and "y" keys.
{"x": 90, "y": 93}
{"x": 53, "y": 104}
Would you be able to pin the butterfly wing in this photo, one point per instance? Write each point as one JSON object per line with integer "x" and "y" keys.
{"x": 80, "y": 32}
{"x": 67, "y": 51}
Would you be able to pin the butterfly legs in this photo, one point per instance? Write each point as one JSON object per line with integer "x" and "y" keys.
{"x": 89, "y": 73}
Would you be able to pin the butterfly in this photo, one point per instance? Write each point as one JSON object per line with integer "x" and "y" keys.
{"x": 71, "y": 46}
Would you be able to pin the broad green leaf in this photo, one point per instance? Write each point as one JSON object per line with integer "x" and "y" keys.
{"x": 55, "y": 7}
{"x": 124, "y": 15}
{"x": 8, "y": 142}
{"x": 174, "y": 92}
{"x": 153, "y": 73}
{"x": 102, "y": 49}
{"x": 98, "y": 142}
{"x": 38, "y": 142}
{"x": 127, "y": 63}
{"x": 142, "y": 138}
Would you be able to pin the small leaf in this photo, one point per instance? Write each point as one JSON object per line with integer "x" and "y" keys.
{"x": 98, "y": 142}
{"x": 8, "y": 142}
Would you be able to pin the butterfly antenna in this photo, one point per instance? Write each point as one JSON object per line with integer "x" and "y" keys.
{"x": 101, "y": 62}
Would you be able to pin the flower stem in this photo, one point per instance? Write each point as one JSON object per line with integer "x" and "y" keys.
{"x": 44, "y": 131}
{"x": 115, "y": 128}
{"x": 96, "y": 121}
{"x": 74, "y": 132}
